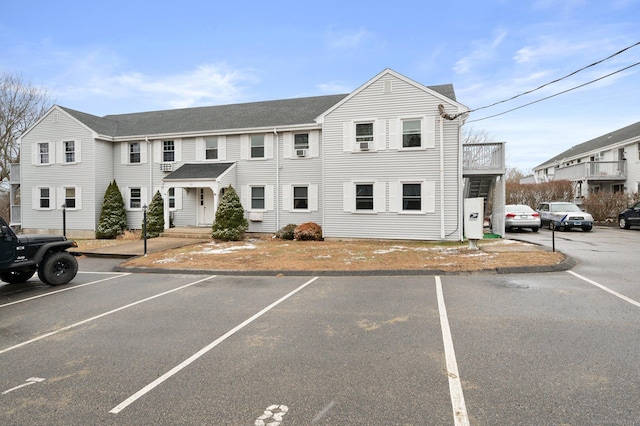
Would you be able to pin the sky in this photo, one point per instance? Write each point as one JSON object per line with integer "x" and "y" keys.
{"x": 118, "y": 57}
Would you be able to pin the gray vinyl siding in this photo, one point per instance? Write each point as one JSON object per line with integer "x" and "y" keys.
{"x": 257, "y": 172}
{"x": 56, "y": 127}
{"x": 390, "y": 166}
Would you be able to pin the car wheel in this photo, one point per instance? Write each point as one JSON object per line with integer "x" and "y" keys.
{"x": 18, "y": 276}
{"x": 622, "y": 223}
{"x": 550, "y": 225}
{"x": 587, "y": 228}
{"x": 534, "y": 229}
{"x": 58, "y": 268}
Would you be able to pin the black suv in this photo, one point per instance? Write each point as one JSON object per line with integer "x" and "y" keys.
{"x": 629, "y": 217}
{"x": 22, "y": 255}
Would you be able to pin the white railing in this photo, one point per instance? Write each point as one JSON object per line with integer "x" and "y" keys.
{"x": 593, "y": 170}
{"x": 488, "y": 157}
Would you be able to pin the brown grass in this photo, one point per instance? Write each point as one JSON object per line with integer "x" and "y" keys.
{"x": 282, "y": 255}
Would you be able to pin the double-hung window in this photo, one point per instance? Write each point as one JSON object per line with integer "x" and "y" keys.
{"x": 171, "y": 194}
{"x": 257, "y": 198}
{"x": 364, "y": 197}
{"x": 70, "y": 197}
{"x": 411, "y": 196}
{"x": 301, "y": 144}
{"x": 134, "y": 152}
{"x": 364, "y": 136}
{"x": 257, "y": 146}
{"x": 300, "y": 197}
{"x": 211, "y": 148}
{"x": 43, "y": 153}
{"x": 168, "y": 151}
{"x": 135, "y": 198}
{"x": 45, "y": 198}
{"x": 411, "y": 133}
{"x": 69, "y": 151}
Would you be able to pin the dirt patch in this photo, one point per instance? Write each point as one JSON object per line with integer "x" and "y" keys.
{"x": 283, "y": 255}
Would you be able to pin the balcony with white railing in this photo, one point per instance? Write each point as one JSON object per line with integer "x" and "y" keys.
{"x": 483, "y": 158}
{"x": 593, "y": 171}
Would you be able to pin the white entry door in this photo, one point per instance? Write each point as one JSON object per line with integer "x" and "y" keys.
{"x": 206, "y": 212}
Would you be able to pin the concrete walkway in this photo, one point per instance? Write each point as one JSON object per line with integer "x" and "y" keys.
{"x": 134, "y": 248}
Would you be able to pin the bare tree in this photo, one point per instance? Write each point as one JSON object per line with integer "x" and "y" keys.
{"x": 471, "y": 135}
{"x": 514, "y": 174}
{"x": 21, "y": 105}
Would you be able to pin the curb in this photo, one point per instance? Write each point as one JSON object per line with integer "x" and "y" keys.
{"x": 567, "y": 264}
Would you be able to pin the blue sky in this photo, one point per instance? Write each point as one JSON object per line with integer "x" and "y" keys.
{"x": 117, "y": 57}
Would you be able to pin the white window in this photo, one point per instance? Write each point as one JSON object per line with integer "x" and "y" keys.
{"x": 300, "y": 197}
{"x": 257, "y": 146}
{"x": 411, "y": 196}
{"x": 135, "y": 198}
{"x": 364, "y": 136}
{"x": 168, "y": 151}
{"x": 134, "y": 153}
{"x": 44, "y": 196}
{"x": 171, "y": 195}
{"x": 411, "y": 133}
{"x": 211, "y": 148}
{"x": 257, "y": 198}
{"x": 69, "y": 151}
{"x": 70, "y": 200}
{"x": 364, "y": 197}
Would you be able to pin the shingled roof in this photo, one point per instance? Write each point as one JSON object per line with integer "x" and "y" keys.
{"x": 218, "y": 118}
{"x": 596, "y": 144}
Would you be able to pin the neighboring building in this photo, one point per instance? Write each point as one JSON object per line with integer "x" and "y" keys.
{"x": 380, "y": 162}
{"x": 610, "y": 162}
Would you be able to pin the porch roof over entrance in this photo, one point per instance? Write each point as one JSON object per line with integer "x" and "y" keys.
{"x": 199, "y": 171}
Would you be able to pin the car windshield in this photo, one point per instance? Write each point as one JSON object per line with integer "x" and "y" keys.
{"x": 564, "y": 207}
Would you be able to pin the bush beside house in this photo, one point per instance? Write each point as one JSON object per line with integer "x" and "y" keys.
{"x": 230, "y": 223}
{"x": 113, "y": 216}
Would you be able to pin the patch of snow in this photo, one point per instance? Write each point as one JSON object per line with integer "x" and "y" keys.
{"x": 225, "y": 250}
{"x": 391, "y": 250}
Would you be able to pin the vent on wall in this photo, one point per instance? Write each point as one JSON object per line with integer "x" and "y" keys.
{"x": 387, "y": 86}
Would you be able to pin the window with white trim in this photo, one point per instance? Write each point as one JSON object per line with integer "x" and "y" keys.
{"x": 135, "y": 198}
{"x": 211, "y": 148}
{"x": 411, "y": 133}
{"x": 300, "y": 197}
{"x": 43, "y": 153}
{"x": 44, "y": 194}
{"x": 171, "y": 195}
{"x": 364, "y": 197}
{"x": 168, "y": 151}
{"x": 364, "y": 136}
{"x": 134, "y": 153}
{"x": 70, "y": 200}
{"x": 69, "y": 151}
{"x": 257, "y": 198}
{"x": 301, "y": 141}
{"x": 411, "y": 196}
{"x": 257, "y": 146}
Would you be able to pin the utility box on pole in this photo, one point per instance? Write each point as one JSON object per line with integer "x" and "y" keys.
{"x": 474, "y": 220}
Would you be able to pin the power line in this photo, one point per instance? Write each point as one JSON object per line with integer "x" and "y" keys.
{"x": 557, "y": 94}
{"x": 559, "y": 79}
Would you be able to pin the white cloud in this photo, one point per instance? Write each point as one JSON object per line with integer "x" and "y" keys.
{"x": 334, "y": 87}
{"x": 347, "y": 39}
{"x": 483, "y": 52}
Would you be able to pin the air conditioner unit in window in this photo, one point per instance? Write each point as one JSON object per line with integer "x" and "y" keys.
{"x": 166, "y": 167}
{"x": 364, "y": 146}
{"x": 301, "y": 152}
{"x": 255, "y": 216}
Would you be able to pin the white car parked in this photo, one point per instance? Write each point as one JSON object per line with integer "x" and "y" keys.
{"x": 563, "y": 215}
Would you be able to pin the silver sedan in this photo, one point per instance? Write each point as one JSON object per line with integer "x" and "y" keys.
{"x": 520, "y": 216}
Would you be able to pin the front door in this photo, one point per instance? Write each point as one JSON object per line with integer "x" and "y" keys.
{"x": 206, "y": 211}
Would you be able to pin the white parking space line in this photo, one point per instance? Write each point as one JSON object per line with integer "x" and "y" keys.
{"x": 124, "y": 404}
{"x": 607, "y": 289}
{"x": 455, "y": 386}
{"x": 60, "y": 330}
{"x": 118, "y": 275}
